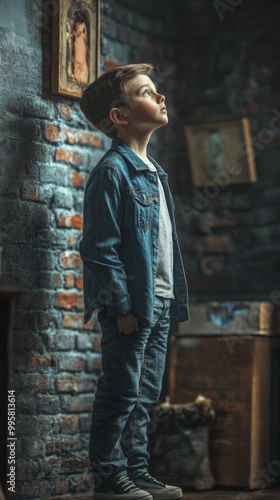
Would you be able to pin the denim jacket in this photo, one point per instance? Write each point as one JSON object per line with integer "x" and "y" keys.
{"x": 119, "y": 247}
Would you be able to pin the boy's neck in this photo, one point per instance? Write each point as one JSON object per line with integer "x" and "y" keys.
{"x": 137, "y": 144}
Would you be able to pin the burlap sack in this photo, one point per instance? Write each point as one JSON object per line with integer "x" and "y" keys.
{"x": 178, "y": 444}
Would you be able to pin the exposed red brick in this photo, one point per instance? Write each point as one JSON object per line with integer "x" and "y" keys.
{"x": 85, "y": 138}
{"x": 72, "y": 362}
{"x": 88, "y": 139}
{"x": 63, "y": 383}
{"x": 78, "y": 404}
{"x": 70, "y": 221}
{"x": 69, "y": 280}
{"x": 71, "y": 135}
{"x": 83, "y": 383}
{"x": 61, "y": 445}
{"x": 51, "y": 132}
{"x": 69, "y": 300}
{"x": 72, "y": 241}
{"x": 76, "y": 320}
{"x": 39, "y": 360}
{"x": 79, "y": 282}
{"x": 72, "y": 157}
{"x": 66, "y": 112}
{"x": 76, "y": 179}
{"x": 67, "y": 424}
{"x": 70, "y": 464}
{"x": 95, "y": 343}
{"x": 71, "y": 260}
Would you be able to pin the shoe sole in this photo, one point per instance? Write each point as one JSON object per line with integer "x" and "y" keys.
{"x": 165, "y": 495}
{"x": 120, "y": 496}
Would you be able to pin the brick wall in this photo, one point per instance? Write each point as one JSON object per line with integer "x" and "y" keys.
{"x": 47, "y": 152}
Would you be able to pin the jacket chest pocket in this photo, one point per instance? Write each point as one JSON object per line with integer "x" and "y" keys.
{"x": 143, "y": 205}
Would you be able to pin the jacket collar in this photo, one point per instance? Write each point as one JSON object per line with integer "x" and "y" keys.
{"x": 134, "y": 159}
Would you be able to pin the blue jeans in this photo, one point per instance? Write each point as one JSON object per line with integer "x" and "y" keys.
{"x": 133, "y": 367}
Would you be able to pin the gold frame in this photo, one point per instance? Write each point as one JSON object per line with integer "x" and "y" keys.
{"x": 231, "y": 142}
{"x": 63, "y": 81}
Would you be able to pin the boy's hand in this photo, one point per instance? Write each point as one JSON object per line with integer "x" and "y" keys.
{"x": 127, "y": 323}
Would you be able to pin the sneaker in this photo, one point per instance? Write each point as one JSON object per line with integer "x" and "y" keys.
{"x": 122, "y": 488}
{"x": 157, "y": 489}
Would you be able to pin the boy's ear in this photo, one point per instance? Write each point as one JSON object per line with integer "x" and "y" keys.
{"x": 119, "y": 115}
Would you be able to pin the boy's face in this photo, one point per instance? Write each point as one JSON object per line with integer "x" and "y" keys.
{"x": 144, "y": 105}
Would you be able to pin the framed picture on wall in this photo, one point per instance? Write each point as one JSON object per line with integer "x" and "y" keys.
{"x": 75, "y": 45}
{"x": 221, "y": 151}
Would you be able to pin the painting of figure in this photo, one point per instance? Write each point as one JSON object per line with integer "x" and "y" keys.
{"x": 75, "y": 46}
{"x": 221, "y": 152}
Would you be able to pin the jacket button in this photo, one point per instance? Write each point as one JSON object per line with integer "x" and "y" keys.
{"x": 154, "y": 268}
{"x": 182, "y": 299}
{"x": 154, "y": 285}
{"x": 154, "y": 243}
{"x": 156, "y": 200}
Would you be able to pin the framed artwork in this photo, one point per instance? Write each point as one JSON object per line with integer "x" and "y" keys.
{"x": 75, "y": 45}
{"x": 221, "y": 150}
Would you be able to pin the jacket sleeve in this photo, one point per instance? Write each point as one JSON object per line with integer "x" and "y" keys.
{"x": 103, "y": 213}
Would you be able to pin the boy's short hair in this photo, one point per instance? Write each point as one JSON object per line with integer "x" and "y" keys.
{"x": 107, "y": 92}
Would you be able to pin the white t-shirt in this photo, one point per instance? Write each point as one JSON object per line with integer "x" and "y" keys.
{"x": 164, "y": 274}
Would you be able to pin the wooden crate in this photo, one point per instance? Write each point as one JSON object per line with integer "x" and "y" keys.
{"x": 231, "y": 317}
{"x": 235, "y": 372}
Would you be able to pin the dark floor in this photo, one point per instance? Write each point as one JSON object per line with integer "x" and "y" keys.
{"x": 235, "y": 494}
{"x": 214, "y": 494}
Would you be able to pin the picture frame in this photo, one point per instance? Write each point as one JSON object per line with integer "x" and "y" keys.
{"x": 75, "y": 46}
{"x": 221, "y": 150}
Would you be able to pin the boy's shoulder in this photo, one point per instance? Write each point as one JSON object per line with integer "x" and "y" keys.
{"x": 111, "y": 161}
{"x": 110, "y": 158}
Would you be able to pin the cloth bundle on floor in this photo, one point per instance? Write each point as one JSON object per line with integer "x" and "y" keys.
{"x": 178, "y": 443}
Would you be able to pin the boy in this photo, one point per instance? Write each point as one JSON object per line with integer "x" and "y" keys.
{"x": 133, "y": 273}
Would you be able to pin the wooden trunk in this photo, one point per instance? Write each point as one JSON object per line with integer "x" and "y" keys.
{"x": 240, "y": 374}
